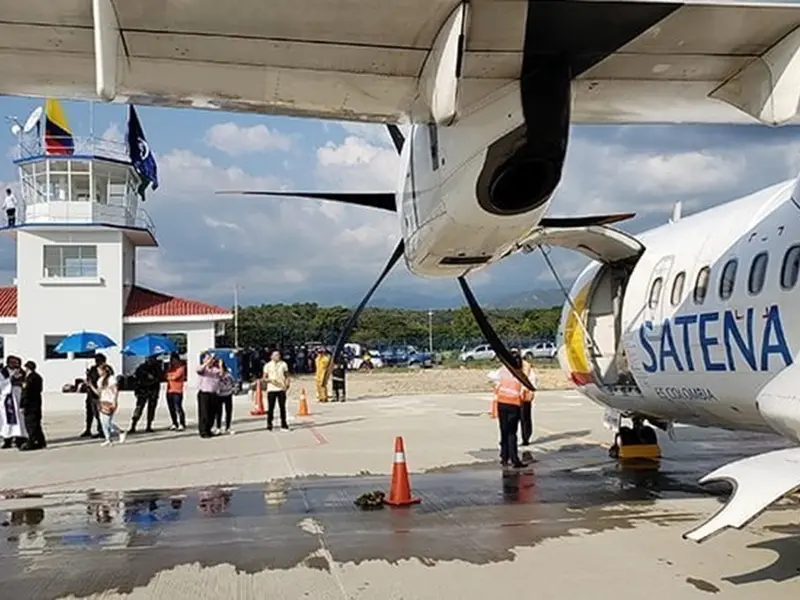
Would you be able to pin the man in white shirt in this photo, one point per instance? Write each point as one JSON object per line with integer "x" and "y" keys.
{"x": 276, "y": 377}
{"x": 10, "y": 206}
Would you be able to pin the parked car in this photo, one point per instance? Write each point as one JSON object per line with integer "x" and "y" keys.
{"x": 417, "y": 358}
{"x": 406, "y": 356}
{"x": 482, "y": 352}
{"x": 539, "y": 350}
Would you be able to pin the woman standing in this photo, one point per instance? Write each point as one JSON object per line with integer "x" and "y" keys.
{"x": 225, "y": 396}
{"x": 207, "y": 384}
{"x": 108, "y": 393}
{"x": 176, "y": 376}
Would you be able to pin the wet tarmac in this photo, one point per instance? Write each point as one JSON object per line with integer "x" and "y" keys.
{"x": 92, "y": 542}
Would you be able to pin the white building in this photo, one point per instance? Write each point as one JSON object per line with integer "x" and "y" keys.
{"x": 79, "y": 224}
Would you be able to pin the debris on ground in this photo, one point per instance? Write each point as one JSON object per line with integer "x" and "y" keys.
{"x": 370, "y": 500}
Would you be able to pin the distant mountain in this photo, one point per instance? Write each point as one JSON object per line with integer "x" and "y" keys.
{"x": 398, "y": 296}
{"x": 531, "y": 299}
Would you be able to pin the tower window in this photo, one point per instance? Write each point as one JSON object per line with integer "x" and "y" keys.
{"x": 70, "y": 261}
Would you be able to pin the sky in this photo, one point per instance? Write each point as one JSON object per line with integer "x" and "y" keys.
{"x": 290, "y": 250}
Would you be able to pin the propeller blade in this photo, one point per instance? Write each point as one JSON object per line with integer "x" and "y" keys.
{"x": 397, "y": 136}
{"x": 585, "y": 221}
{"x": 382, "y": 200}
{"x": 491, "y": 336}
{"x": 348, "y": 328}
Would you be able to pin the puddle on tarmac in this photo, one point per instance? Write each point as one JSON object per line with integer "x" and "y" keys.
{"x": 474, "y": 513}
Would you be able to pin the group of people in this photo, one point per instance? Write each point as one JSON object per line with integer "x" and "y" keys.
{"x": 514, "y": 410}
{"x": 102, "y": 397}
{"x": 216, "y": 388}
{"x": 215, "y": 394}
{"x": 21, "y": 412}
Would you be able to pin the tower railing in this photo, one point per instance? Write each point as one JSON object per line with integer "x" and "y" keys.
{"x": 66, "y": 213}
{"x": 34, "y": 147}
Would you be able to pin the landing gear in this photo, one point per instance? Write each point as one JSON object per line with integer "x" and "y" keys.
{"x": 638, "y": 442}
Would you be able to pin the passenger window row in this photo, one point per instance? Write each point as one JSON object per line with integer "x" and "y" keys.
{"x": 790, "y": 269}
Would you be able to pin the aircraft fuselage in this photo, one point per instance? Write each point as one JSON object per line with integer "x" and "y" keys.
{"x": 702, "y": 327}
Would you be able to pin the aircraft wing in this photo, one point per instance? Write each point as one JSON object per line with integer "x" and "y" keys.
{"x": 758, "y": 482}
{"x": 634, "y": 62}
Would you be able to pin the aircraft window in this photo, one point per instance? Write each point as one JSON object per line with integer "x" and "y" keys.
{"x": 701, "y": 285}
{"x": 728, "y": 279}
{"x": 655, "y": 292}
{"x": 758, "y": 273}
{"x": 790, "y": 268}
{"x": 677, "y": 288}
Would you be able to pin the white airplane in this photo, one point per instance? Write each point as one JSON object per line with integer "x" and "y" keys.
{"x": 695, "y": 322}
{"x": 489, "y": 87}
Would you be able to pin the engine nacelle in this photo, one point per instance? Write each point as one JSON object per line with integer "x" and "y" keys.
{"x": 472, "y": 190}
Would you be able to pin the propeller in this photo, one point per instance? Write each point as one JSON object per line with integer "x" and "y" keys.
{"x": 382, "y": 200}
{"x": 351, "y": 322}
{"x": 397, "y": 136}
{"x": 587, "y": 221}
{"x": 480, "y": 317}
{"x": 386, "y": 201}
{"x": 490, "y": 335}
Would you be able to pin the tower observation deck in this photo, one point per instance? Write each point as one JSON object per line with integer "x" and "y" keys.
{"x": 71, "y": 181}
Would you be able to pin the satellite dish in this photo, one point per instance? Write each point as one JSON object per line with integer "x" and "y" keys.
{"x": 33, "y": 119}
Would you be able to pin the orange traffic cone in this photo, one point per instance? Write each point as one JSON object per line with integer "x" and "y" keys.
{"x": 258, "y": 401}
{"x": 302, "y": 410}
{"x": 400, "y": 493}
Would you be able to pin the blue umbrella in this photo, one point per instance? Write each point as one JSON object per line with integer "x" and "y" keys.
{"x": 149, "y": 345}
{"x": 85, "y": 341}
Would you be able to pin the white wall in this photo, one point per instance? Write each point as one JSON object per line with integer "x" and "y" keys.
{"x": 48, "y": 308}
{"x": 199, "y": 337}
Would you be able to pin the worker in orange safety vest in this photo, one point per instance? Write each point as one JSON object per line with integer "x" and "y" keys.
{"x": 510, "y": 393}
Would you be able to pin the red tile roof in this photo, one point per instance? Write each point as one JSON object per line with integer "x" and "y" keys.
{"x": 8, "y": 301}
{"x": 141, "y": 303}
{"x": 147, "y": 303}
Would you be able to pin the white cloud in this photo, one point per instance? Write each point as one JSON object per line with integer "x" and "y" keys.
{"x": 237, "y": 141}
{"x": 215, "y": 223}
{"x": 681, "y": 173}
{"x": 358, "y": 165}
{"x": 374, "y": 134}
{"x": 184, "y": 173}
{"x": 154, "y": 272}
{"x": 112, "y": 133}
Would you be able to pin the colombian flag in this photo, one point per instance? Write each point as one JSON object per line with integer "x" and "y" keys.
{"x": 57, "y": 134}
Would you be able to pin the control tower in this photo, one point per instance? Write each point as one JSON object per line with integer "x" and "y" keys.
{"x": 79, "y": 222}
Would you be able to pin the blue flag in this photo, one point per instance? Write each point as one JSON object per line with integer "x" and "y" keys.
{"x": 142, "y": 159}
